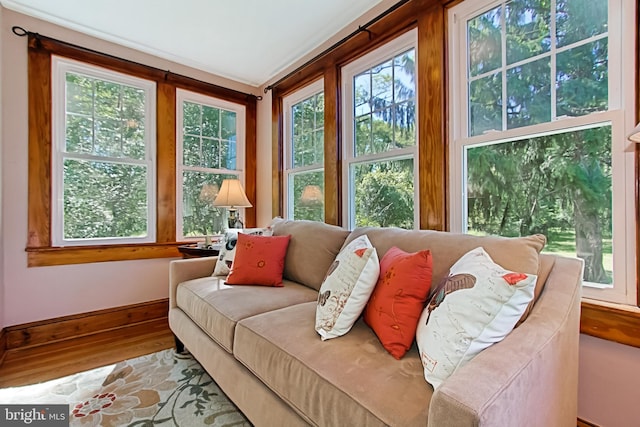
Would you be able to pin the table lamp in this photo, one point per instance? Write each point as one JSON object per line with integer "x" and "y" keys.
{"x": 232, "y": 196}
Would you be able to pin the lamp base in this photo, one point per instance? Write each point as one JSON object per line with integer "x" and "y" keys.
{"x": 234, "y": 221}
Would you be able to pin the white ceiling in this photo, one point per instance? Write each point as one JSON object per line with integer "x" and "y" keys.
{"x": 249, "y": 41}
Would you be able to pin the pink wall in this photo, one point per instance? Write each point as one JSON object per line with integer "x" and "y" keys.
{"x": 31, "y": 294}
{"x": 609, "y": 375}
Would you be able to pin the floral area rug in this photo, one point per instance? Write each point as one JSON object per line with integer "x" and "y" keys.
{"x": 160, "y": 389}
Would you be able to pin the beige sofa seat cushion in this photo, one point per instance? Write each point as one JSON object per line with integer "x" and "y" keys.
{"x": 519, "y": 254}
{"x": 312, "y": 249}
{"x": 216, "y": 307}
{"x": 350, "y": 380}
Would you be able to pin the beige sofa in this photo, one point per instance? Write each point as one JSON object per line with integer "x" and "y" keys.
{"x": 259, "y": 343}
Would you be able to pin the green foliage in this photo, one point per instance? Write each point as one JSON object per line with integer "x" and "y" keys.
{"x": 384, "y": 194}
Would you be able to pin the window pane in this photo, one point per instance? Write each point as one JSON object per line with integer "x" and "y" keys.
{"x": 199, "y": 217}
{"x": 382, "y": 85}
{"x": 485, "y": 104}
{"x": 392, "y": 123}
{"x": 191, "y": 151}
{"x": 319, "y": 107}
{"x": 308, "y": 195}
{"x": 192, "y": 123}
{"x": 362, "y": 93}
{"x": 582, "y": 79}
{"x": 104, "y": 118}
{"x": 79, "y": 132}
{"x": 404, "y": 67}
{"x": 528, "y": 29}
{"x": 211, "y": 153}
{"x": 580, "y": 19}
{"x": 363, "y": 135}
{"x": 228, "y": 125}
{"x": 384, "y": 193}
{"x": 558, "y": 185}
{"x": 404, "y": 132}
{"x": 104, "y": 199}
{"x": 308, "y": 131}
{"x": 210, "y": 122}
{"x": 79, "y": 94}
{"x": 529, "y": 94}
{"x": 485, "y": 42}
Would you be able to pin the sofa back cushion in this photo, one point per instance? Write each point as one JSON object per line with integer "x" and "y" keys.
{"x": 513, "y": 253}
{"x": 312, "y": 249}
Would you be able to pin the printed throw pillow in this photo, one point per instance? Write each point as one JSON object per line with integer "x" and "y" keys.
{"x": 346, "y": 288}
{"x": 398, "y": 298}
{"x": 228, "y": 248}
{"x": 475, "y": 306}
{"x": 259, "y": 260}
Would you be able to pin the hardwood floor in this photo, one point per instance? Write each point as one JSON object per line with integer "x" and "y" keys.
{"x": 30, "y": 365}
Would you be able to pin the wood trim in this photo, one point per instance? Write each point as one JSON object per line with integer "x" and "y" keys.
{"x": 78, "y": 325}
{"x": 3, "y": 345}
{"x": 251, "y": 163}
{"x": 332, "y": 147}
{"x": 166, "y": 163}
{"x": 611, "y": 323}
{"x": 39, "y": 185}
{"x": 277, "y": 145}
{"x": 583, "y": 423}
{"x": 41, "y": 257}
{"x": 432, "y": 144}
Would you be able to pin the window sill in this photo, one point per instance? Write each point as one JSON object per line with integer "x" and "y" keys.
{"x": 613, "y": 322}
{"x": 41, "y": 257}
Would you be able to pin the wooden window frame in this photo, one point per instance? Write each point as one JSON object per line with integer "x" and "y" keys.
{"x": 40, "y": 251}
{"x": 611, "y": 322}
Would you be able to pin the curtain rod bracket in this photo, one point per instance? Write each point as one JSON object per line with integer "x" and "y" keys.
{"x": 364, "y": 29}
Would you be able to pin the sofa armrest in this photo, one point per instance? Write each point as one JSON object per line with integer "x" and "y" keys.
{"x": 186, "y": 269}
{"x": 531, "y": 377}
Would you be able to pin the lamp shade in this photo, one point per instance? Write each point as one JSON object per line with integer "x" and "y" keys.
{"x": 635, "y": 134}
{"x": 231, "y": 195}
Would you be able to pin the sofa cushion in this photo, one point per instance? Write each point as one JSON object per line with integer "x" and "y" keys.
{"x": 513, "y": 253}
{"x": 326, "y": 381}
{"x": 313, "y": 247}
{"x": 398, "y": 298}
{"x": 346, "y": 288}
{"x": 476, "y": 306}
{"x": 217, "y": 307}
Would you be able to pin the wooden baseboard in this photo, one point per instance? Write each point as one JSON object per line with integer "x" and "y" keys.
{"x": 583, "y": 423}
{"x": 3, "y": 344}
{"x": 78, "y": 325}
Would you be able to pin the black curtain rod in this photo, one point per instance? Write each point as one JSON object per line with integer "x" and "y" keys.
{"x": 21, "y": 32}
{"x": 361, "y": 29}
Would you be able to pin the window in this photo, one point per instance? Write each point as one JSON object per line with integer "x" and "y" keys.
{"x": 541, "y": 105}
{"x": 210, "y": 142}
{"x": 380, "y": 149}
{"x": 103, "y": 158}
{"x": 304, "y": 153}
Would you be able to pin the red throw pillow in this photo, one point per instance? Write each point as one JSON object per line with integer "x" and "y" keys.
{"x": 259, "y": 260}
{"x": 398, "y": 299}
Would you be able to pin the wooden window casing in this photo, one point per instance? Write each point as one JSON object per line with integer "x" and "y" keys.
{"x": 40, "y": 251}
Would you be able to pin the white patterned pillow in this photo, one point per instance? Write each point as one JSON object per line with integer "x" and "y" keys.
{"x": 475, "y": 306}
{"x": 228, "y": 248}
{"x": 346, "y": 288}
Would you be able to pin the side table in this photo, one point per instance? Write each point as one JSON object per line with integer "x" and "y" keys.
{"x": 193, "y": 251}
